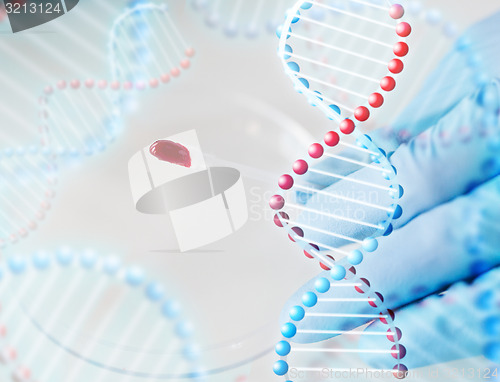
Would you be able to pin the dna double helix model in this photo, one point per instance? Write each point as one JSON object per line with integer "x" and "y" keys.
{"x": 241, "y": 18}
{"x": 81, "y": 117}
{"x": 367, "y": 43}
{"x": 68, "y": 285}
{"x": 336, "y": 53}
{"x": 342, "y": 56}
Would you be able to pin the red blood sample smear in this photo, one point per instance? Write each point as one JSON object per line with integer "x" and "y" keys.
{"x": 172, "y": 152}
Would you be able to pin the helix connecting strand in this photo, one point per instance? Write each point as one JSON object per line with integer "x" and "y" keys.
{"x": 342, "y": 57}
{"x": 89, "y": 278}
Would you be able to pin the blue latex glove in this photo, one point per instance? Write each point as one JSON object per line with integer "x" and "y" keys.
{"x": 471, "y": 63}
{"x": 450, "y": 227}
{"x": 464, "y": 322}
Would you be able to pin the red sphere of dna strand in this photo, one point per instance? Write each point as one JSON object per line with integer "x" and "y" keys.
{"x": 376, "y": 100}
{"x": 361, "y": 113}
{"x": 401, "y": 49}
{"x": 347, "y": 126}
{"x": 403, "y": 29}
{"x": 285, "y": 182}
{"x": 316, "y": 151}
{"x": 396, "y": 11}
{"x": 332, "y": 139}
{"x": 300, "y": 167}
{"x": 396, "y": 66}
{"x": 277, "y": 202}
{"x": 388, "y": 84}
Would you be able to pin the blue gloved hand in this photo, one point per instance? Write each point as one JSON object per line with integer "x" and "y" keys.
{"x": 450, "y": 229}
{"x": 473, "y": 62}
{"x": 463, "y": 323}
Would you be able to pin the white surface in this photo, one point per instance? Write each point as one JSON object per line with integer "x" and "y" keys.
{"x": 201, "y": 224}
{"x": 237, "y": 205}
{"x": 139, "y": 179}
